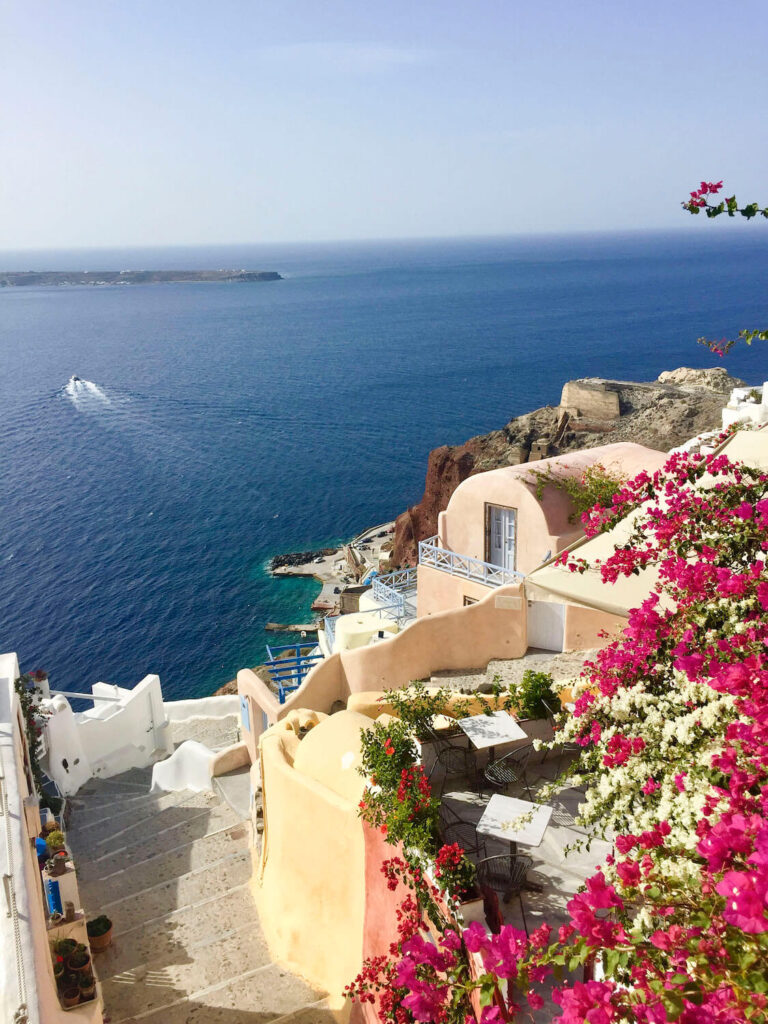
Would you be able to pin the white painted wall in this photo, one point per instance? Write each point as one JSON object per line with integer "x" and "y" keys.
{"x": 202, "y": 707}
{"x": 37, "y": 990}
{"x": 546, "y": 625}
{"x": 108, "y": 738}
{"x": 741, "y": 408}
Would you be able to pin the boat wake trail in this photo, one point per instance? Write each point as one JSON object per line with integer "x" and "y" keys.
{"x": 85, "y": 395}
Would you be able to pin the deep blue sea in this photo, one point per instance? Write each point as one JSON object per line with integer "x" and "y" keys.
{"x": 230, "y": 422}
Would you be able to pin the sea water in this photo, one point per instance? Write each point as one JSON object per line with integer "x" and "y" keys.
{"x": 215, "y": 425}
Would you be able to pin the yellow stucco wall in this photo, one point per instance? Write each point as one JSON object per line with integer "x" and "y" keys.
{"x": 309, "y": 885}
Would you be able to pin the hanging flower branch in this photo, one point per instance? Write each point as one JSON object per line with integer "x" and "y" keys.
{"x": 699, "y": 200}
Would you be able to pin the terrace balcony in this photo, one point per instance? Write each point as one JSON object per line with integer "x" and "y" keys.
{"x": 388, "y": 607}
{"x": 465, "y": 566}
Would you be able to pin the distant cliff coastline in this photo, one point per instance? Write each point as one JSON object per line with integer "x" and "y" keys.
{"x": 660, "y": 414}
{"x": 20, "y": 279}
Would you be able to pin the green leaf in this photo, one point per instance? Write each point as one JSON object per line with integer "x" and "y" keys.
{"x": 611, "y": 961}
{"x": 487, "y": 990}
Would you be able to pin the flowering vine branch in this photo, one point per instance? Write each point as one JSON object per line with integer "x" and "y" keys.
{"x": 699, "y": 201}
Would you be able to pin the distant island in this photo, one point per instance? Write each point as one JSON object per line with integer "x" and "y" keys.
{"x": 20, "y": 279}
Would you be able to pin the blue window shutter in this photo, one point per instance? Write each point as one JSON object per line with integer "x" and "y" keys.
{"x": 245, "y": 713}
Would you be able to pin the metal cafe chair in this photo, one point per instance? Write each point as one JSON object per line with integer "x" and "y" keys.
{"x": 506, "y": 872}
{"x": 455, "y": 762}
{"x": 509, "y": 769}
{"x": 466, "y": 835}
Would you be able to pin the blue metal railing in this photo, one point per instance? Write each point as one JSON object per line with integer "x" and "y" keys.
{"x": 288, "y": 671}
{"x": 464, "y": 565}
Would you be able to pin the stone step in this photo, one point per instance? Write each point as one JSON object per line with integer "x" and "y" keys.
{"x": 317, "y": 1013}
{"x": 265, "y": 994}
{"x": 132, "y": 871}
{"x": 90, "y": 804}
{"x": 119, "y": 814}
{"x": 186, "y": 924}
{"x": 212, "y": 733}
{"x": 164, "y": 897}
{"x": 170, "y": 828}
{"x": 469, "y": 679}
{"x": 170, "y": 969}
{"x": 95, "y": 787}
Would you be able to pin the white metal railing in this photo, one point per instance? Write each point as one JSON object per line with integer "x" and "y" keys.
{"x": 399, "y": 580}
{"x": 465, "y": 566}
{"x": 391, "y": 588}
{"x": 329, "y": 625}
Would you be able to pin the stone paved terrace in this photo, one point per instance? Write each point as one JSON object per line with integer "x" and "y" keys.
{"x": 172, "y": 872}
{"x": 563, "y": 667}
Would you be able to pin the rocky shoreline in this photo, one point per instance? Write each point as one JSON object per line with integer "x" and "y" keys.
{"x": 297, "y": 558}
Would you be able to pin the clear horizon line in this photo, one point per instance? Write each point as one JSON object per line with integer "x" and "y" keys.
{"x": 498, "y": 236}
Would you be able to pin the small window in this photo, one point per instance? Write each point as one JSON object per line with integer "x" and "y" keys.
{"x": 469, "y": 600}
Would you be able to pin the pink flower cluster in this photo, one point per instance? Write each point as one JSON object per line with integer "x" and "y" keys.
{"x": 706, "y": 188}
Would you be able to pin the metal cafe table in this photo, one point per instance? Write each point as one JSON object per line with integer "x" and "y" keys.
{"x": 497, "y": 820}
{"x": 502, "y": 810}
{"x": 485, "y": 731}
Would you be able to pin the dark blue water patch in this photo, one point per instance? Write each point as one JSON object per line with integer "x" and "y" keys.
{"x": 227, "y": 423}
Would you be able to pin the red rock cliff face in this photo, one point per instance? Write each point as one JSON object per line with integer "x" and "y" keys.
{"x": 446, "y": 468}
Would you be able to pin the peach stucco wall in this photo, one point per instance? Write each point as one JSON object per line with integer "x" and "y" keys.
{"x": 461, "y": 638}
{"x": 542, "y": 525}
{"x": 439, "y": 591}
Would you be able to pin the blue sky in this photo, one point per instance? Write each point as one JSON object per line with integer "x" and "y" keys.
{"x": 158, "y": 122}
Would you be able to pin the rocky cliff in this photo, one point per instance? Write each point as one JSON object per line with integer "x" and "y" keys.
{"x": 660, "y": 414}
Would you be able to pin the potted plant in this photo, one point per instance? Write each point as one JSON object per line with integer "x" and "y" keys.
{"x": 87, "y": 984}
{"x": 99, "y": 932}
{"x": 55, "y": 841}
{"x": 79, "y": 959}
{"x": 58, "y": 968}
{"x": 70, "y": 990}
{"x": 56, "y": 918}
{"x": 57, "y": 864}
{"x": 65, "y": 947}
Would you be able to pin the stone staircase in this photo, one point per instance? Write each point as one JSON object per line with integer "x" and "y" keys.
{"x": 172, "y": 871}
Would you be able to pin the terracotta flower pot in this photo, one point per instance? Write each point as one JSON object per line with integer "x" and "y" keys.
{"x": 70, "y": 997}
{"x": 98, "y": 942}
{"x": 79, "y": 970}
{"x": 88, "y": 991}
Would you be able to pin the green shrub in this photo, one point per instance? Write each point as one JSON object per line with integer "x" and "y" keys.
{"x": 594, "y": 486}
{"x": 99, "y": 925}
{"x": 55, "y": 840}
{"x": 530, "y": 693}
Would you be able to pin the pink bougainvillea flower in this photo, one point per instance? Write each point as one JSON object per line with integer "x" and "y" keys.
{"x": 746, "y": 895}
{"x": 589, "y": 1001}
